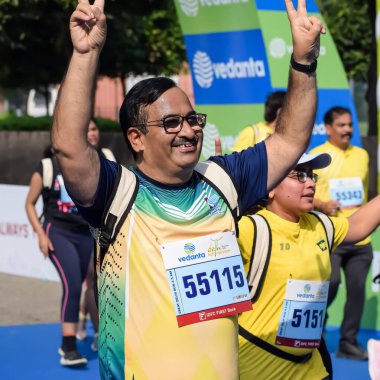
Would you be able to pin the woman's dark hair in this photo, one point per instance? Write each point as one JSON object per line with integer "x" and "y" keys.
{"x": 142, "y": 94}
{"x": 274, "y": 101}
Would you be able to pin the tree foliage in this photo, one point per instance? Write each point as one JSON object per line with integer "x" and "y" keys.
{"x": 143, "y": 38}
{"x": 350, "y": 27}
{"x": 143, "y": 43}
{"x": 33, "y": 44}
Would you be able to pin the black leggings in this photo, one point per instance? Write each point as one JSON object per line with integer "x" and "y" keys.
{"x": 71, "y": 256}
{"x": 355, "y": 260}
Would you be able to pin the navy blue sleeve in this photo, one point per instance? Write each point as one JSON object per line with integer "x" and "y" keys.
{"x": 249, "y": 172}
{"x": 108, "y": 173}
{"x": 39, "y": 169}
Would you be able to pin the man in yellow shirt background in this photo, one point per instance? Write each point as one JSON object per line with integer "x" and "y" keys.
{"x": 255, "y": 133}
{"x": 341, "y": 190}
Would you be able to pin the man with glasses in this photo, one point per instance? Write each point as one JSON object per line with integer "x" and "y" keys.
{"x": 176, "y": 218}
{"x": 281, "y": 338}
{"x": 342, "y": 189}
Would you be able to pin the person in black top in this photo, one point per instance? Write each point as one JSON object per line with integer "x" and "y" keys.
{"x": 65, "y": 238}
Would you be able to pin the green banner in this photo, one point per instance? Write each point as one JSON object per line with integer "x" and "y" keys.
{"x": 239, "y": 52}
{"x": 197, "y": 17}
{"x": 278, "y": 43}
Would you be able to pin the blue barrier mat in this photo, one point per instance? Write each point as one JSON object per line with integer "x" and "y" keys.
{"x": 30, "y": 352}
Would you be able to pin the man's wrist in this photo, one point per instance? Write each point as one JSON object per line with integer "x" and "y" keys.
{"x": 303, "y": 68}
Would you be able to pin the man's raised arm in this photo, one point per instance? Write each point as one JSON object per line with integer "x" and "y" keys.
{"x": 296, "y": 120}
{"x": 78, "y": 161}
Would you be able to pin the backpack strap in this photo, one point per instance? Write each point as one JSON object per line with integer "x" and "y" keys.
{"x": 217, "y": 176}
{"x": 260, "y": 257}
{"x": 117, "y": 209}
{"x": 47, "y": 172}
{"x": 255, "y": 134}
{"x": 326, "y": 359}
{"x": 273, "y": 349}
{"x": 108, "y": 154}
{"x": 328, "y": 226}
{"x": 124, "y": 194}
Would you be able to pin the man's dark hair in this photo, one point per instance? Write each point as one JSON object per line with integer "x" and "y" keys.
{"x": 331, "y": 114}
{"x": 274, "y": 101}
{"x": 142, "y": 94}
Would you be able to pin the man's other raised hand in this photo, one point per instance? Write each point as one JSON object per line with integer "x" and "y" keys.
{"x": 306, "y": 32}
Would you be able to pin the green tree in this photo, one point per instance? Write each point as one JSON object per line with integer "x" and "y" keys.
{"x": 142, "y": 43}
{"x": 350, "y": 27}
{"x": 33, "y": 44}
{"x": 143, "y": 38}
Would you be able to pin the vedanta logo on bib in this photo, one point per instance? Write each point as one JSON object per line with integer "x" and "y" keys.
{"x": 190, "y": 7}
{"x": 205, "y": 71}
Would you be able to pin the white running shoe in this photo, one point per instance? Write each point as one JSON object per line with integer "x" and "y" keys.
{"x": 373, "y": 348}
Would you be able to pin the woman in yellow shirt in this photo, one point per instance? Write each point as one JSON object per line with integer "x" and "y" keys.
{"x": 280, "y": 336}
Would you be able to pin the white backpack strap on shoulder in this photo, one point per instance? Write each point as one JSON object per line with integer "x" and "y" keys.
{"x": 261, "y": 250}
{"x": 328, "y": 225}
{"x": 108, "y": 154}
{"x": 221, "y": 180}
{"x": 255, "y": 134}
{"x": 121, "y": 202}
{"x": 117, "y": 209}
{"x": 47, "y": 172}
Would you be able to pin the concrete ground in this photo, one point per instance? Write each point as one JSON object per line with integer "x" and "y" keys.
{"x": 26, "y": 301}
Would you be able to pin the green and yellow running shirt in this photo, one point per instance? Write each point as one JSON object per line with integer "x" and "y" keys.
{"x": 139, "y": 337}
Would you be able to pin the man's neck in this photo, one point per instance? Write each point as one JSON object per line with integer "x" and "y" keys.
{"x": 344, "y": 148}
{"x": 179, "y": 178}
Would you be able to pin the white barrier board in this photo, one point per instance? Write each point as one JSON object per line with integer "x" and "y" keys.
{"x": 19, "y": 252}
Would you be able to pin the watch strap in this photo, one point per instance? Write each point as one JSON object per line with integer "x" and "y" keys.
{"x": 308, "y": 69}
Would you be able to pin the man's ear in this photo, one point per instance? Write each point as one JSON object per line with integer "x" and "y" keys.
{"x": 328, "y": 128}
{"x": 134, "y": 136}
{"x": 271, "y": 194}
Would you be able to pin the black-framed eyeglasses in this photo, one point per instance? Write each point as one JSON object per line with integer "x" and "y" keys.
{"x": 303, "y": 176}
{"x": 174, "y": 123}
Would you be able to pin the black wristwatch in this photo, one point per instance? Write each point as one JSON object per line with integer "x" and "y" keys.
{"x": 308, "y": 69}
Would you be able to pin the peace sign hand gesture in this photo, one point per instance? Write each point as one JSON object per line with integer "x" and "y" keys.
{"x": 306, "y": 32}
{"x": 88, "y": 26}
